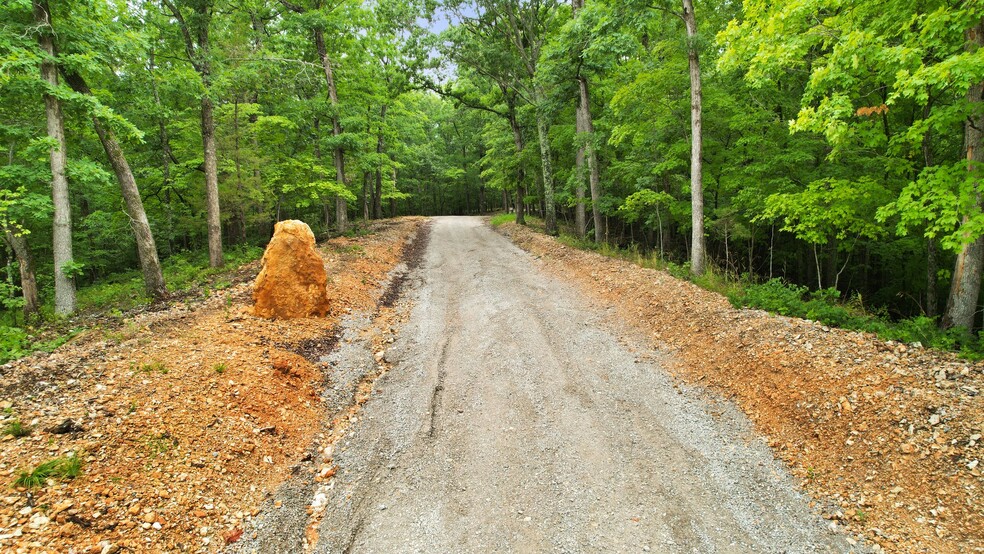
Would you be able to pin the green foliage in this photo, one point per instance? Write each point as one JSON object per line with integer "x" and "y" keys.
{"x": 14, "y": 343}
{"x": 219, "y": 368}
{"x": 824, "y": 306}
{"x": 499, "y": 219}
{"x": 67, "y": 467}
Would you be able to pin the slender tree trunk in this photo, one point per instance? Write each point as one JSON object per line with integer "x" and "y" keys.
{"x": 587, "y": 153}
{"x": 932, "y": 267}
{"x": 211, "y": 183}
{"x": 546, "y": 162}
{"x": 697, "y": 254}
{"x": 591, "y": 157}
{"x": 961, "y": 307}
{"x": 150, "y": 265}
{"x": 341, "y": 206}
{"x": 28, "y": 279}
{"x": 366, "y": 194}
{"x": 237, "y": 158}
{"x": 166, "y": 157}
{"x": 377, "y": 197}
{"x": 580, "y": 219}
{"x": 197, "y": 49}
{"x": 580, "y": 223}
{"x": 327, "y": 206}
{"x": 58, "y": 158}
{"x": 520, "y": 172}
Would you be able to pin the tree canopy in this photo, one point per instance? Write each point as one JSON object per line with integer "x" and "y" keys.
{"x": 833, "y": 144}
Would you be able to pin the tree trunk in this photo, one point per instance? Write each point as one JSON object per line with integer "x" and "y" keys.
{"x": 211, "y": 183}
{"x": 546, "y": 163}
{"x": 520, "y": 172}
{"x": 166, "y": 157}
{"x": 586, "y": 153}
{"x": 28, "y": 280}
{"x": 198, "y": 54}
{"x": 932, "y": 266}
{"x": 580, "y": 222}
{"x": 341, "y": 206}
{"x": 150, "y": 265}
{"x": 377, "y": 197}
{"x": 58, "y": 158}
{"x": 696, "y": 168}
{"x": 961, "y": 307}
{"x": 591, "y": 156}
{"x": 366, "y": 196}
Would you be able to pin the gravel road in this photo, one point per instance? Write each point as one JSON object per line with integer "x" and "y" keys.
{"x": 515, "y": 419}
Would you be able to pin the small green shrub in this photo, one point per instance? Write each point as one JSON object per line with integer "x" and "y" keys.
{"x": 67, "y": 467}
{"x": 219, "y": 368}
{"x": 13, "y": 343}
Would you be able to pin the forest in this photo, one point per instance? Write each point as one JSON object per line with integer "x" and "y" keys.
{"x": 809, "y": 145}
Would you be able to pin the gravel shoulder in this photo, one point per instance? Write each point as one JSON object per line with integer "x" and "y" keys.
{"x": 512, "y": 418}
{"x": 885, "y": 437}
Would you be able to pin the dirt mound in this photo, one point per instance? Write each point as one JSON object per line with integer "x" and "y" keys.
{"x": 293, "y": 280}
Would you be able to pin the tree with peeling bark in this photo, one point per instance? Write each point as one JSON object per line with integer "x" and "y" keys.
{"x": 697, "y": 248}
{"x": 193, "y": 19}
{"x": 965, "y": 286}
{"x": 65, "y": 303}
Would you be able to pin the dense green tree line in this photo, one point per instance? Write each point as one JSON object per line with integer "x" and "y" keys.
{"x": 834, "y": 144}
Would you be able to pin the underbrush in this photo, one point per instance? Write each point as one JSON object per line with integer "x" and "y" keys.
{"x": 117, "y": 294}
{"x": 499, "y": 219}
{"x": 825, "y": 306}
{"x": 779, "y": 297}
{"x": 182, "y": 272}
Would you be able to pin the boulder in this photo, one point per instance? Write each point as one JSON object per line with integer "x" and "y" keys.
{"x": 292, "y": 281}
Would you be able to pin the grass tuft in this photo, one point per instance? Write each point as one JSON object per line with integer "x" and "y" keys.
{"x": 66, "y": 467}
{"x": 17, "y": 429}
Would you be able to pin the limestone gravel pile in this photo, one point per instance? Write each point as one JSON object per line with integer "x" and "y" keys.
{"x": 292, "y": 282}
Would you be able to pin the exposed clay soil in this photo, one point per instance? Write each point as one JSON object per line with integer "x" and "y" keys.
{"x": 189, "y": 416}
{"x": 886, "y": 437}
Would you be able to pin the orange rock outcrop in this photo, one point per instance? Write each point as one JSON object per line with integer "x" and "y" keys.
{"x": 292, "y": 281}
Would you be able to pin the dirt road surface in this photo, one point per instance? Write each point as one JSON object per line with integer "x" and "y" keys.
{"x": 517, "y": 418}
